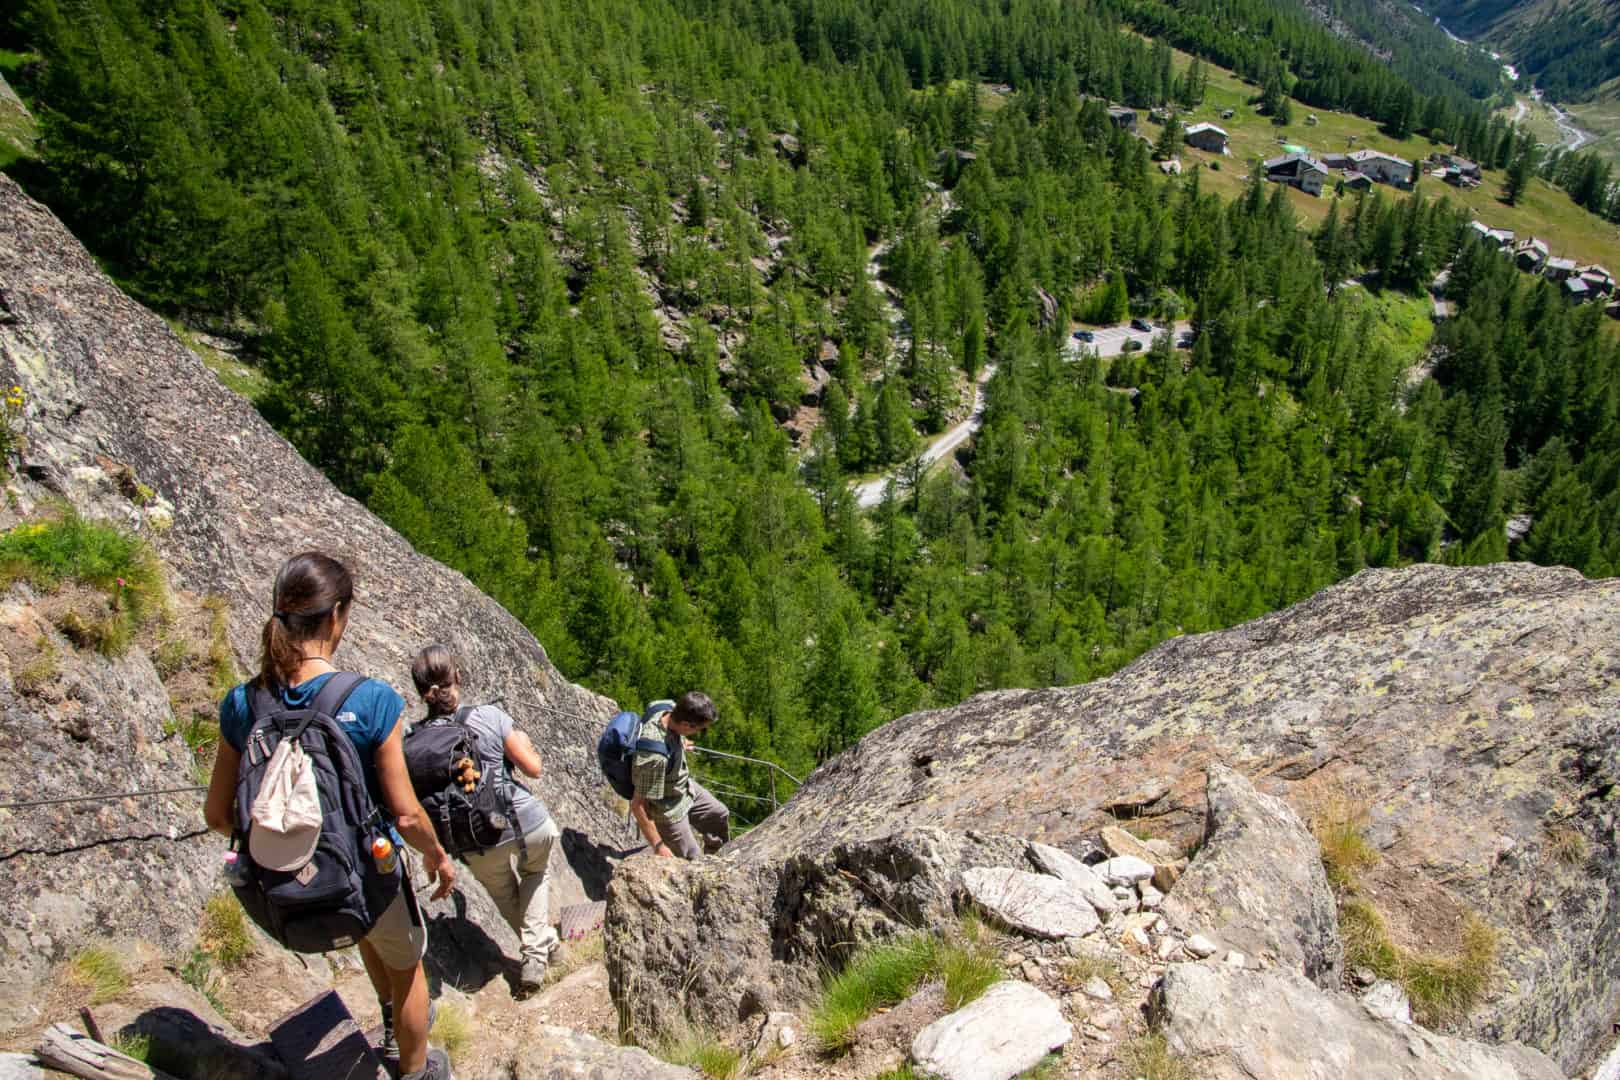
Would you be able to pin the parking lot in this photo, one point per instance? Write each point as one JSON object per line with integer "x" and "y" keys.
{"x": 1110, "y": 340}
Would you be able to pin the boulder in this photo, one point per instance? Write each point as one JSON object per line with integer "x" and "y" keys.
{"x": 723, "y": 939}
{"x": 1037, "y": 904}
{"x": 1467, "y": 707}
{"x": 1061, "y": 864}
{"x": 1278, "y": 1025}
{"x": 1257, "y": 883}
{"x": 550, "y": 1052}
{"x": 1009, "y": 1029}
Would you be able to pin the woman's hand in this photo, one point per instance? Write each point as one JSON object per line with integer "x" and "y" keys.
{"x": 439, "y": 866}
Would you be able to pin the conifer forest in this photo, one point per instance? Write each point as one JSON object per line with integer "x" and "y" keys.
{"x": 608, "y": 303}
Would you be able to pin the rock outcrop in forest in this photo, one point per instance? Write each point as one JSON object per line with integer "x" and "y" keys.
{"x": 124, "y": 423}
{"x": 1465, "y": 720}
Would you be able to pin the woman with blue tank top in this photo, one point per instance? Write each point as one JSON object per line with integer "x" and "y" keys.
{"x": 313, "y": 597}
{"x": 514, "y": 870}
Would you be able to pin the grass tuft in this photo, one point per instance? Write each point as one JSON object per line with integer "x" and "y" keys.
{"x": 703, "y": 1051}
{"x": 134, "y": 1045}
{"x": 224, "y": 934}
{"x": 1566, "y": 845}
{"x": 904, "y": 1072}
{"x": 200, "y": 974}
{"x": 876, "y": 976}
{"x": 452, "y": 1029}
{"x": 1149, "y": 1058}
{"x": 1441, "y": 988}
{"x": 48, "y": 554}
{"x": 1089, "y": 965}
{"x": 1339, "y": 822}
{"x": 887, "y": 973}
{"x": 966, "y": 963}
{"x": 34, "y": 676}
{"x": 100, "y": 971}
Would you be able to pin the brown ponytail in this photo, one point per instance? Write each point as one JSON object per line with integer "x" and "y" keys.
{"x": 309, "y": 589}
{"x": 437, "y": 676}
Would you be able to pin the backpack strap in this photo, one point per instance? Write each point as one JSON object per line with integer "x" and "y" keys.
{"x": 335, "y": 691}
{"x": 650, "y": 746}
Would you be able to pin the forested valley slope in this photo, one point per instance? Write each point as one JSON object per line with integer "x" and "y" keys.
{"x": 577, "y": 297}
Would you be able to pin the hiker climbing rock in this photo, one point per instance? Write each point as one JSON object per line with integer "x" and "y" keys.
{"x": 644, "y": 760}
{"x": 309, "y": 770}
{"x": 489, "y": 820}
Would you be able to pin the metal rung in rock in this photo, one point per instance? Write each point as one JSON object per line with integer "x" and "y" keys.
{"x": 577, "y": 920}
{"x": 319, "y": 1040}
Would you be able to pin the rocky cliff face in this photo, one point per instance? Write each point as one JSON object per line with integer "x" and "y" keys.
{"x": 1472, "y": 714}
{"x": 116, "y": 400}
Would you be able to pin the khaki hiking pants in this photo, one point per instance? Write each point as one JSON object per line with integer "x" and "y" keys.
{"x": 517, "y": 880}
{"x": 708, "y": 819}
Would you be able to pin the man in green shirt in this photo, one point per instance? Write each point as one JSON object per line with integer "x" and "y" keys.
{"x": 669, "y": 804}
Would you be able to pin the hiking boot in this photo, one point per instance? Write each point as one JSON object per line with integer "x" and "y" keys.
{"x": 437, "y": 1067}
{"x": 532, "y": 977}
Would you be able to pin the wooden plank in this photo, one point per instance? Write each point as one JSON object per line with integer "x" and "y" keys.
{"x": 77, "y": 1054}
{"x": 319, "y": 1040}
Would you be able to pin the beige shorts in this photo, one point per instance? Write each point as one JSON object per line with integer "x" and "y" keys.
{"x": 400, "y": 936}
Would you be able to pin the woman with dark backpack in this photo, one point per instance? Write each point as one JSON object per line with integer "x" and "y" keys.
{"x": 513, "y": 869}
{"x": 313, "y": 597}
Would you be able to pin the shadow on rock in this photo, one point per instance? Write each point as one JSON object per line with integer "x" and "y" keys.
{"x": 462, "y": 954}
{"x": 592, "y": 862}
{"x": 187, "y": 1046}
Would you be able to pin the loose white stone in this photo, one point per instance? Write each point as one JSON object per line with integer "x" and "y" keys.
{"x": 1031, "y": 971}
{"x": 1123, "y": 894}
{"x": 1006, "y": 1031}
{"x": 1033, "y": 903}
{"x": 1364, "y": 976}
{"x": 1151, "y": 897}
{"x": 1097, "y": 989}
{"x": 1107, "y": 1019}
{"x": 19, "y": 1067}
{"x": 1140, "y": 937}
{"x": 1200, "y": 946}
{"x": 1387, "y": 1001}
{"x": 1063, "y": 865}
{"x": 1236, "y": 959}
{"x": 1168, "y": 947}
{"x": 1125, "y": 870}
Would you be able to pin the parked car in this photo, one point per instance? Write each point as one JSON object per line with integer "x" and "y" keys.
{"x": 1084, "y": 335}
{"x": 1142, "y": 325}
{"x": 1184, "y": 340}
{"x": 1130, "y": 344}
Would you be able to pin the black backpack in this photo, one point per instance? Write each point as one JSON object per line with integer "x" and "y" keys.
{"x": 337, "y": 897}
{"x": 469, "y": 803}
